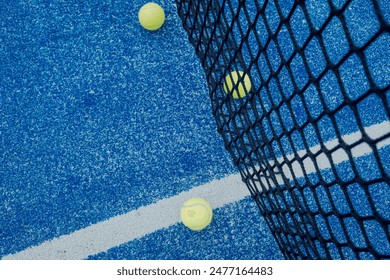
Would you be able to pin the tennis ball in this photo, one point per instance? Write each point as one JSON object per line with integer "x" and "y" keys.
{"x": 151, "y": 16}
{"x": 236, "y": 85}
{"x": 196, "y": 213}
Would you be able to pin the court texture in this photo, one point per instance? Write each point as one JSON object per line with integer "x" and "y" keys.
{"x": 107, "y": 128}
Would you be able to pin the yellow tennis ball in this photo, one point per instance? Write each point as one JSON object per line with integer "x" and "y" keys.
{"x": 235, "y": 85}
{"x": 151, "y": 16}
{"x": 196, "y": 213}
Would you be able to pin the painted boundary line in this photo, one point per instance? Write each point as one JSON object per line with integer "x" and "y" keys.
{"x": 321, "y": 160}
{"x": 115, "y": 231}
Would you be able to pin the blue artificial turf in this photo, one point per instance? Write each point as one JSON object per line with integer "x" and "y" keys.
{"x": 99, "y": 117}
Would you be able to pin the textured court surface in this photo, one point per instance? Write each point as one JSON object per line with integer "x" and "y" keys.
{"x": 99, "y": 117}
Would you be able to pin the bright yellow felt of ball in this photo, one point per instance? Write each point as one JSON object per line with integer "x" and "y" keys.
{"x": 196, "y": 213}
{"x": 235, "y": 85}
{"x": 151, "y": 16}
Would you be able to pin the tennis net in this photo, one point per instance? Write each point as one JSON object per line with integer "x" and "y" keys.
{"x": 300, "y": 94}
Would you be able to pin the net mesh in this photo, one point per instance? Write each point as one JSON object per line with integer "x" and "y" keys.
{"x": 300, "y": 94}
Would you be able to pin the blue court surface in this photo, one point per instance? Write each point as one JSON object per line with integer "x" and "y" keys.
{"x": 105, "y": 127}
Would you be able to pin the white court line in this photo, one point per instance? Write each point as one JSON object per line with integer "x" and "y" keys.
{"x": 115, "y": 231}
{"x": 338, "y": 156}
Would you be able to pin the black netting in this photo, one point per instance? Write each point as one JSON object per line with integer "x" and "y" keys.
{"x": 300, "y": 94}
